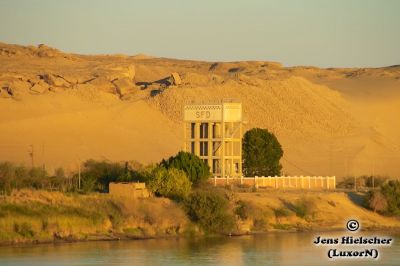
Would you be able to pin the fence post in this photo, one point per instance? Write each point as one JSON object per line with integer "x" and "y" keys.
{"x": 255, "y": 182}
{"x": 215, "y": 181}
{"x": 241, "y": 179}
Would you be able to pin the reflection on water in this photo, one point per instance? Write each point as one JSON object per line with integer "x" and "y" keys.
{"x": 269, "y": 249}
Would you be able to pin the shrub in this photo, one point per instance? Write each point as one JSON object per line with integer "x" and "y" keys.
{"x": 172, "y": 183}
{"x": 374, "y": 181}
{"x": 244, "y": 209}
{"x": 377, "y": 201}
{"x": 261, "y": 153}
{"x": 304, "y": 208}
{"x": 24, "y": 229}
{"x": 362, "y": 181}
{"x": 282, "y": 212}
{"x": 391, "y": 192}
{"x": 196, "y": 170}
{"x": 209, "y": 210}
{"x": 347, "y": 183}
{"x": 260, "y": 223}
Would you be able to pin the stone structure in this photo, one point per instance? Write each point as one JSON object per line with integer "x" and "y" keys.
{"x": 214, "y": 133}
{"x": 131, "y": 190}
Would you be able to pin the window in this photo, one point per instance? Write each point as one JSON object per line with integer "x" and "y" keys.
{"x": 204, "y": 130}
{"x": 192, "y": 129}
{"x": 203, "y": 148}
{"x": 192, "y": 147}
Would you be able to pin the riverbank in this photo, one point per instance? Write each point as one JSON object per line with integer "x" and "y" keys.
{"x": 32, "y": 216}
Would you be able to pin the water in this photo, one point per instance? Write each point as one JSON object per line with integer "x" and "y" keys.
{"x": 268, "y": 249}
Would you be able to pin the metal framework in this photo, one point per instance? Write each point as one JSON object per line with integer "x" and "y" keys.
{"x": 214, "y": 133}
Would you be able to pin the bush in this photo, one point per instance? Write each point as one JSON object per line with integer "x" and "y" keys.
{"x": 244, "y": 209}
{"x": 260, "y": 224}
{"x": 374, "y": 181}
{"x": 24, "y": 230}
{"x": 209, "y": 210}
{"x": 261, "y": 153}
{"x": 347, "y": 183}
{"x": 377, "y": 201}
{"x": 196, "y": 170}
{"x": 391, "y": 192}
{"x": 362, "y": 181}
{"x": 172, "y": 183}
{"x": 304, "y": 208}
{"x": 282, "y": 212}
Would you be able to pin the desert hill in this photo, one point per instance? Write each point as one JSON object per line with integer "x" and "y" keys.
{"x": 71, "y": 107}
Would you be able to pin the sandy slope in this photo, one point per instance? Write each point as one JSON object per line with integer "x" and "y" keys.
{"x": 65, "y": 128}
{"x": 72, "y": 107}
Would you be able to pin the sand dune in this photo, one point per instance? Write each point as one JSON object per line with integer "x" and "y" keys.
{"x": 73, "y": 107}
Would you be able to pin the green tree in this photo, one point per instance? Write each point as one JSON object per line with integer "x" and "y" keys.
{"x": 172, "y": 183}
{"x": 196, "y": 170}
{"x": 261, "y": 153}
{"x": 96, "y": 175}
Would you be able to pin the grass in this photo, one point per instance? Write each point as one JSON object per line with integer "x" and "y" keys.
{"x": 28, "y": 215}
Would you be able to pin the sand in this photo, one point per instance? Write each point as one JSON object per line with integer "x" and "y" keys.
{"x": 329, "y": 121}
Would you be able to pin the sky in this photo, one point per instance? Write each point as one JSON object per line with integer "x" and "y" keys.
{"x": 324, "y": 33}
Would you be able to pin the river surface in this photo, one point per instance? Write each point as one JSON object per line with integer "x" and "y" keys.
{"x": 268, "y": 249}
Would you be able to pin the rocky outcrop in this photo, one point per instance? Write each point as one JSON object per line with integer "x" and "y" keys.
{"x": 41, "y": 50}
{"x": 56, "y": 80}
{"x": 6, "y": 92}
{"x": 175, "y": 79}
{"x": 123, "y": 86}
{"x": 102, "y": 84}
{"x": 40, "y": 87}
{"x": 12, "y": 87}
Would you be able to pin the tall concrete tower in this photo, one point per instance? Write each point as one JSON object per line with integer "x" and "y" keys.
{"x": 214, "y": 133}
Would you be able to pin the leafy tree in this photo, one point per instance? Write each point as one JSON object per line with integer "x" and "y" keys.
{"x": 261, "y": 153}
{"x": 196, "y": 170}
{"x": 96, "y": 175}
{"x": 209, "y": 210}
{"x": 172, "y": 183}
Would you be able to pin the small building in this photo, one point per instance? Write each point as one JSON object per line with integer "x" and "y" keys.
{"x": 214, "y": 133}
{"x": 129, "y": 189}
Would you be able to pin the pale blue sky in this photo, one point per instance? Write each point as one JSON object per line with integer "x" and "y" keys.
{"x": 309, "y": 32}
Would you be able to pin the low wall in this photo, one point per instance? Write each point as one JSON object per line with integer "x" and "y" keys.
{"x": 297, "y": 182}
{"x": 131, "y": 190}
